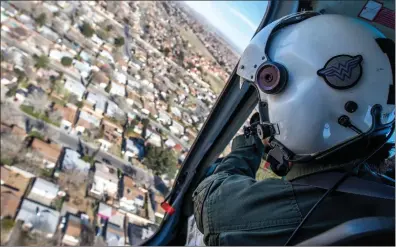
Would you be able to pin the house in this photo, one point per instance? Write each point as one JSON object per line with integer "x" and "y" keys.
{"x": 139, "y": 230}
{"x": 87, "y": 119}
{"x": 97, "y": 40}
{"x": 191, "y": 133}
{"x": 8, "y": 77}
{"x": 113, "y": 109}
{"x": 117, "y": 89}
{"x": 75, "y": 87}
{"x": 97, "y": 101}
{"x": 112, "y": 133}
{"x": 71, "y": 160}
{"x": 13, "y": 187}
{"x": 115, "y": 235}
{"x": 21, "y": 94}
{"x": 176, "y": 112}
{"x": 49, "y": 152}
{"x": 43, "y": 192}
{"x": 153, "y": 137}
{"x": 164, "y": 118}
{"x": 16, "y": 130}
{"x": 186, "y": 118}
{"x": 120, "y": 77}
{"x": 69, "y": 113}
{"x": 134, "y": 99}
{"x": 138, "y": 129}
{"x": 83, "y": 67}
{"x": 105, "y": 181}
{"x": 176, "y": 128}
{"x": 73, "y": 231}
{"x": 115, "y": 224}
{"x": 149, "y": 108}
{"x": 58, "y": 54}
{"x": 47, "y": 33}
{"x": 170, "y": 143}
{"x": 133, "y": 196}
{"x": 159, "y": 211}
{"x": 38, "y": 217}
{"x": 87, "y": 57}
{"x": 100, "y": 78}
{"x": 16, "y": 30}
{"x": 134, "y": 148}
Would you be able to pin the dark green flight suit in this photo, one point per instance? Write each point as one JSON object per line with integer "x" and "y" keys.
{"x": 232, "y": 208}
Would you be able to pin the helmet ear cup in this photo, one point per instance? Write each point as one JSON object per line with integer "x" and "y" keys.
{"x": 272, "y": 78}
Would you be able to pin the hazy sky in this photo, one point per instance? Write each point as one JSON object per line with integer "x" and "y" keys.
{"x": 238, "y": 20}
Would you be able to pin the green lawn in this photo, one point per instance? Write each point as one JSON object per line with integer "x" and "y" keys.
{"x": 30, "y": 110}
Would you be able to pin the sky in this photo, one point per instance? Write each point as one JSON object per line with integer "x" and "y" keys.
{"x": 238, "y": 20}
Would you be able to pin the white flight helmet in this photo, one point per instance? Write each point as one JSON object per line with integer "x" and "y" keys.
{"x": 320, "y": 75}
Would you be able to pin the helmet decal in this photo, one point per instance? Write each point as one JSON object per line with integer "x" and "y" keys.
{"x": 342, "y": 71}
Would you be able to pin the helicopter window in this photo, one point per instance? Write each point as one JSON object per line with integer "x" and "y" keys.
{"x": 130, "y": 85}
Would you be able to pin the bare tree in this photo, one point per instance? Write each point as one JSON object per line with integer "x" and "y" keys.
{"x": 121, "y": 102}
{"x": 91, "y": 135}
{"x": 72, "y": 179}
{"x": 71, "y": 98}
{"x": 117, "y": 54}
{"x": 11, "y": 146}
{"x": 28, "y": 67}
{"x": 10, "y": 114}
{"x": 39, "y": 101}
{"x": 121, "y": 117}
{"x": 55, "y": 116}
{"x": 45, "y": 83}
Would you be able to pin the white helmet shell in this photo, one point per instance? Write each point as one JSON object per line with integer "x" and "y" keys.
{"x": 308, "y": 109}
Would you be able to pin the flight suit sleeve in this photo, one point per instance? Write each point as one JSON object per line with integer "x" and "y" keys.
{"x": 236, "y": 169}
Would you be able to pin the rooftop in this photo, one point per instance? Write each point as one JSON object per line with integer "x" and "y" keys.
{"x": 69, "y": 112}
{"x": 73, "y": 226}
{"x": 50, "y": 152}
{"x": 14, "y": 180}
{"x": 46, "y": 221}
{"x": 9, "y": 202}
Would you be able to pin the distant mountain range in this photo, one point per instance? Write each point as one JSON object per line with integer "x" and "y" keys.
{"x": 205, "y": 22}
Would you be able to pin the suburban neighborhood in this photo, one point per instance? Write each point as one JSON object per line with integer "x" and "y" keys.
{"x": 98, "y": 101}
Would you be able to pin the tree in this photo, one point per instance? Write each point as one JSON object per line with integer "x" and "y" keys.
{"x": 108, "y": 87}
{"x": 38, "y": 101}
{"x": 10, "y": 147}
{"x": 120, "y": 41}
{"x": 145, "y": 123}
{"x": 121, "y": 102}
{"x": 55, "y": 116}
{"x": 103, "y": 34}
{"x": 9, "y": 113}
{"x": 41, "y": 19}
{"x": 166, "y": 51}
{"x": 87, "y": 30}
{"x": 120, "y": 117}
{"x": 66, "y": 61}
{"x": 45, "y": 83}
{"x": 91, "y": 134}
{"x": 41, "y": 62}
{"x": 71, "y": 98}
{"x": 160, "y": 160}
{"x": 72, "y": 180}
{"x": 28, "y": 64}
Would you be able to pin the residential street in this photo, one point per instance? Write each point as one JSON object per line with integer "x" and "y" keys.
{"x": 58, "y": 66}
{"x": 72, "y": 141}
